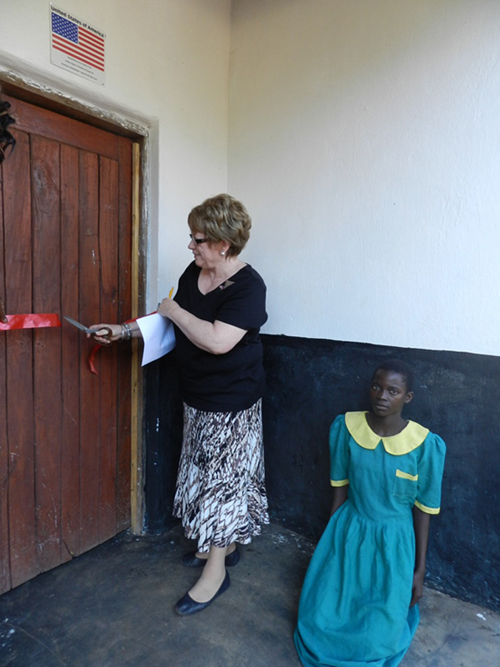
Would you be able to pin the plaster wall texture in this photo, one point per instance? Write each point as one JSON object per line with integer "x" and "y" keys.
{"x": 364, "y": 140}
{"x": 361, "y": 135}
{"x": 166, "y": 70}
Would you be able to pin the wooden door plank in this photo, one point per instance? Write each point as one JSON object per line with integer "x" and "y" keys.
{"x": 45, "y": 186}
{"x": 108, "y": 243}
{"x": 42, "y": 122}
{"x": 20, "y": 409}
{"x": 5, "y": 583}
{"x": 90, "y": 390}
{"x": 70, "y": 426}
{"x": 136, "y": 467}
{"x": 125, "y": 357}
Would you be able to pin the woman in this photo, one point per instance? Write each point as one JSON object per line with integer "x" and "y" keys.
{"x": 217, "y": 312}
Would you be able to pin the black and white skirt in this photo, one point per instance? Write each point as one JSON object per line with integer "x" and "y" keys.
{"x": 221, "y": 495}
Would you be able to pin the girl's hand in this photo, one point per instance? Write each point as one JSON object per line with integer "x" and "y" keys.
{"x": 116, "y": 333}
{"x": 417, "y": 588}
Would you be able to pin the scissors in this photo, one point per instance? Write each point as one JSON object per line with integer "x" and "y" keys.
{"x": 103, "y": 332}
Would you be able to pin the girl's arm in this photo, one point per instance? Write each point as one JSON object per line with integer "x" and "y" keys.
{"x": 421, "y": 521}
{"x": 340, "y": 494}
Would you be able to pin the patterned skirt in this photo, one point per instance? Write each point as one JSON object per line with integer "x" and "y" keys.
{"x": 221, "y": 494}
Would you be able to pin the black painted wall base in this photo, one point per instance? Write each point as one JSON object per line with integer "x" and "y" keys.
{"x": 309, "y": 382}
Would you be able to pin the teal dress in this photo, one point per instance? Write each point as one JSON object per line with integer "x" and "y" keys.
{"x": 355, "y": 604}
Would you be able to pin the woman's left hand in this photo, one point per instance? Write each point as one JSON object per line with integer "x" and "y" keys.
{"x": 166, "y": 307}
{"x": 214, "y": 337}
{"x": 417, "y": 588}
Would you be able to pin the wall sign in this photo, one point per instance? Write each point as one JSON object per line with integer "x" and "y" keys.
{"x": 76, "y": 46}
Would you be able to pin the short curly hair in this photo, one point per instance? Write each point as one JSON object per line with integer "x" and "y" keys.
{"x": 400, "y": 367}
{"x": 6, "y": 138}
{"x": 222, "y": 218}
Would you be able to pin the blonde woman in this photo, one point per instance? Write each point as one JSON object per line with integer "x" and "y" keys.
{"x": 217, "y": 313}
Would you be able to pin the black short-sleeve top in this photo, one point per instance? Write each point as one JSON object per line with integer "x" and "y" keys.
{"x": 235, "y": 380}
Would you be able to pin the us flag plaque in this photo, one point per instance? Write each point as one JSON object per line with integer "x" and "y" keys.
{"x": 76, "y": 46}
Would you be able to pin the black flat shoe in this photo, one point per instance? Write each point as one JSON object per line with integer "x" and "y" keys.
{"x": 187, "y": 606}
{"x": 192, "y": 560}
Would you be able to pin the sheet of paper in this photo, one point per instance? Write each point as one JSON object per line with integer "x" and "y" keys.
{"x": 158, "y": 334}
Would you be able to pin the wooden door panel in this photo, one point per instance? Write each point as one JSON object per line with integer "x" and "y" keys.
{"x": 23, "y": 560}
{"x": 124, "y": 247}
{"x": 90, "y": 391}
{"x": 4, "y": 451}
{"x": 45, "y": 188}
{"x": 65, "y": 451}
{"x": 108, "y": 216}
{"x": 70, "y": 424}
{"x": 37, "y": 121}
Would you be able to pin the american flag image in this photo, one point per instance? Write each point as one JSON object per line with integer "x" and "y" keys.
{"x": 78, "y": 42}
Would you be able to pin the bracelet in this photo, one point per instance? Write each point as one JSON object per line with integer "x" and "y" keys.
{"x": 126, "y": 331}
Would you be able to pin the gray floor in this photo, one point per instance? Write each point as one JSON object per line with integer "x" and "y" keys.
{"x": 114, "y": 607}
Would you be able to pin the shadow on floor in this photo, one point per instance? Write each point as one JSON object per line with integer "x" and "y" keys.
{"x": 113, "y": 607}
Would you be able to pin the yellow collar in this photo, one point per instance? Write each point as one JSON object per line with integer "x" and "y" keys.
{"x": 411, "y": 437}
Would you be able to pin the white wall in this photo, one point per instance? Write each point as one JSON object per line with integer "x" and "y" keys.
{"x": 364, "y": 138}
{"x": 166, "y": 68}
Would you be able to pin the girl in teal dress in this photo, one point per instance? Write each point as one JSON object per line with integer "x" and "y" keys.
{"x": 358, "y": 606}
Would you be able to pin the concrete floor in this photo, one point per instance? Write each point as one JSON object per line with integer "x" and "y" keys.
{"x": 113, "y": 607}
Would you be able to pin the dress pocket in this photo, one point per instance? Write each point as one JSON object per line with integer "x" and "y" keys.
{"x": 405, "y": 484}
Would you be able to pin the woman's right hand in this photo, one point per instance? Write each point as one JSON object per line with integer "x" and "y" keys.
{"x": 106, "y": 338}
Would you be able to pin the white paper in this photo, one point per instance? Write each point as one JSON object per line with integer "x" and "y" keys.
{"x": 159, "y": 337}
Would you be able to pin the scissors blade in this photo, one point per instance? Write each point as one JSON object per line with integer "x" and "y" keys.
{"x": 80, "y": 326}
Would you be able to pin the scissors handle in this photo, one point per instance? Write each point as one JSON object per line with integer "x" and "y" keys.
{"x": 98, "y": 332}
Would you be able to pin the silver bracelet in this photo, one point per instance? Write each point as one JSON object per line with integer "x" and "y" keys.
{"x": 126, "y": 331}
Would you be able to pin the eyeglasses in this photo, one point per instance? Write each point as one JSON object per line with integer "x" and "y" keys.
{"x": 198, "y": 241}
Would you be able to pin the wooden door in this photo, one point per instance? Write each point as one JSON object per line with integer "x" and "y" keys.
{"x": 65, "y": 248}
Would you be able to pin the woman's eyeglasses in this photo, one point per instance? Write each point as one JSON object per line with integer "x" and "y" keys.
{"x": 198, "y": 241}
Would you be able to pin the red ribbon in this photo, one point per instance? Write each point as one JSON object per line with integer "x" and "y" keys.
{"x": 92, "y": 354}
{"x": 30, "y": 321}
{"x": 95, "y": 350}
{"x": 97, "y": 347}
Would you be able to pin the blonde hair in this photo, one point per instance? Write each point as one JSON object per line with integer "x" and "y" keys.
{"x": 222, "y": 218}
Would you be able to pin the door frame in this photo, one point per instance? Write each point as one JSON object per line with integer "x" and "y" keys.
{"x": 27, "y": 90}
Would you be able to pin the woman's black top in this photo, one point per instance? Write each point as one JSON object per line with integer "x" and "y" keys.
{"x": 235, "y": 380}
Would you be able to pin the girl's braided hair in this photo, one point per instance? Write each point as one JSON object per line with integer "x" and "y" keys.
{"x": 6, "y": 138}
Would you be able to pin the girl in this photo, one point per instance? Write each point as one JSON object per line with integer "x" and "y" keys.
{"x": 358, "y": 604}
